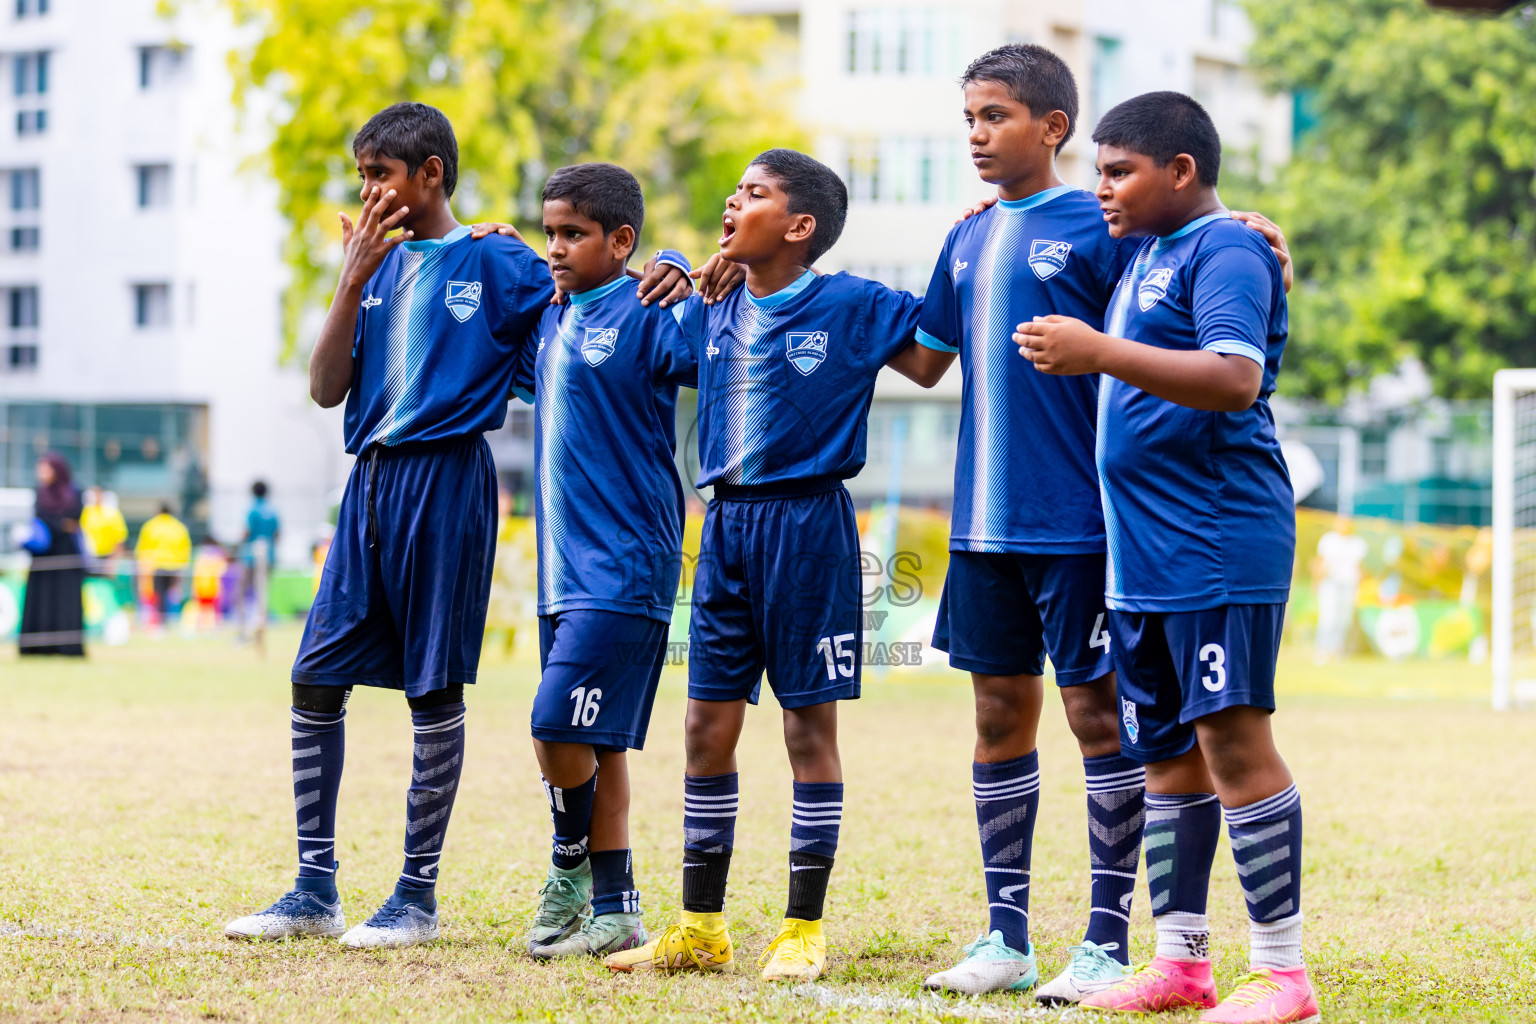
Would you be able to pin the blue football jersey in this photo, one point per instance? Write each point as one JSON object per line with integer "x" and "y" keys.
{"x": 1024, "y": 474}
{"x": 604, "y": 372}
{"x": 437, "y": 336}
{"x": 1198, "y": 505}
{"x": 785, "y": 381}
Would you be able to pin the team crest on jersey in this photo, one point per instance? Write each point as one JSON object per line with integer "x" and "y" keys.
{"x": 463, "y": 299}
{"x": 1047, "y": 258}
{"x": 599, "y": 344}
{"x": 1153, "y": 288}
{"x": 1128, "y": 716}
{"x": 959, "y": 266}
{"x": 371, "y": 301}
{"x": 807, "y": 351}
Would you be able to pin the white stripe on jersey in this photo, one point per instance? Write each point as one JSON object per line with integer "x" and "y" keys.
{"x": 992, "y": 353}
{"x": 405, "y": 339}
{"x": 737, "y": 393}
{"x": 1119, "y": 310}
{"x": 553, "y": 411}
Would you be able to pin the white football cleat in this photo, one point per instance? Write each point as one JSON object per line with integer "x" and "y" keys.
{"x": 397, "y": 923}
{"x": 297, "y": 914}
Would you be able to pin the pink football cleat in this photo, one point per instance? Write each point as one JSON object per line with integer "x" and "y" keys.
{"x": 1268, "y": 996}
{"x": 1162, "y": 985}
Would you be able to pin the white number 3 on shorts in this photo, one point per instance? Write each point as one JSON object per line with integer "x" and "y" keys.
{"x": 1216, "y": 660}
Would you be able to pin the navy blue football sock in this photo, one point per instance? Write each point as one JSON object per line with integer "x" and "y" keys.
{"x": 1116, "y": 805}
{"x": 613, "y": 883}
{"x": 319, "y": 748}
{"x": 435, "y": 768}
{"x": 815, "y": 820}
{"x": 1180, "y": 841}
{"x": 1266, "y": 843}
{"x": 709, "y": 833}
{"x": 1007, "y": 802}
{"x": 571, "y": 811}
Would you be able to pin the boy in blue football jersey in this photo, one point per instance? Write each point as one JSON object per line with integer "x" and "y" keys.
{"x": 1027, "y": 548}
{"x": 420, "y": 341}
{"x": 1200, "y": 521}
{"x": 603, "y": 370}
{"x": 787, "y": 366}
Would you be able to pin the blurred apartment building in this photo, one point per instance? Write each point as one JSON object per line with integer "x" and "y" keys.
{"x": 879, "y": 97}
{"x": 140, "y": 271}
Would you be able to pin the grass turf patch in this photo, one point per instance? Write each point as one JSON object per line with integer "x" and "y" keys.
{"x": 146, "y": 801}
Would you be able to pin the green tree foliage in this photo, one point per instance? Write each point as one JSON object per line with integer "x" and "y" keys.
{"x": 1411, "y": 205}
{"x": 673, "y": 90}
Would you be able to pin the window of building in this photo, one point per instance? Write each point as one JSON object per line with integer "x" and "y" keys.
{"x": 904, "y": 41}
{"x": 160, "y": 66}
{"x": 31, "y": 8}
{"x": 25, "y": 239}
{"x": 25, "y": 189}
{"x": 1104, "y": 87}
{"x": 31, "y": 122}
{"x": 154, "y": 185}
{"x": 152, "y": 305}
{"x": 908, "y": 170}
{"x": 21, "y": 308}
{"x": 19, "y": 358}
{"x": 30, "y": 71}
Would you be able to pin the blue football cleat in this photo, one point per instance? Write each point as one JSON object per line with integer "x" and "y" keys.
{"x": 401, "y": 921}
{"x": 298, "y": 913}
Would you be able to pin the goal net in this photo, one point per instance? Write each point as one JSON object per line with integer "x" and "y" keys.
{"x": 1514, "y": 537}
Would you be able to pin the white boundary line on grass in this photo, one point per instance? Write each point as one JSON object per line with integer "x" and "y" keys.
{"x": 37, "y": 931}
{"x": 933, "y": 1005}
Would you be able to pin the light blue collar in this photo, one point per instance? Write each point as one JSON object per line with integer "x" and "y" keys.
{"x": 593, "y": 294}
{"x": 783, "y": 295}
{"x": 1197, "y": 224}
{"x": 1038, "y": 199}
{"x": 428, "y": 244}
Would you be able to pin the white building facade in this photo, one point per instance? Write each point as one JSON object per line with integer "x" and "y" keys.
{"x": 879, "y": 96}
{"x": 141, "y": 272}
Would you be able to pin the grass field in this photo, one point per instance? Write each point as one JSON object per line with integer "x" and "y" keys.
{"x": 145, "y": 800}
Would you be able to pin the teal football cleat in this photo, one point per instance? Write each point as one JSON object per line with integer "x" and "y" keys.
{"x": 990, "y": 965}
{"x": 597, "y": 936}
{"x": 1090, "y": 970}
{"x": 563, "y": 904}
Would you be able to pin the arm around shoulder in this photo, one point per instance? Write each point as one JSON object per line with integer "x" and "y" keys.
{"x": 923, "y": 365}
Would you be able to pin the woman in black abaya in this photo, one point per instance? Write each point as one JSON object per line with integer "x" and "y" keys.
{"x": 53, "y": 617}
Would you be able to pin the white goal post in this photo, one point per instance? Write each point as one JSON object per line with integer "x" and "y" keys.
{"x": 1514, "y": 534}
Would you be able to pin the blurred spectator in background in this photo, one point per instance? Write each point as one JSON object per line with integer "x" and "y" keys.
{"x": 102, "y": 523}
{"x": 163, "y": 552}
{"x": 208, "y": 584}
{"x": 262, "y": 528}
{"x": 1336, "y": 579}
{"x": 53, "y": 615}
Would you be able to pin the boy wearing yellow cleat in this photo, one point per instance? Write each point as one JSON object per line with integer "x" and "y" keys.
{"x": 787, "y": 370}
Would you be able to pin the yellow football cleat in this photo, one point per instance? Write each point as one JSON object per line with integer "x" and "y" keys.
{"x": 698, "y": 942}
{"x": 797, "y": 953}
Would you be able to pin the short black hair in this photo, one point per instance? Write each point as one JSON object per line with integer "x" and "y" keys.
{"x": 165, "y": 508}
{"x": 1034, "y": 76}
{"x": 411, "y": 132}
{"x": 606, "y": 193}
{"x": 811, "y": 187}
{"x": 259, "y": 488}
{"x": 1162, "y": 125}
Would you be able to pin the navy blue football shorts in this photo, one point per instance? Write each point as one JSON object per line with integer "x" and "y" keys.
{"x": 599, "y": 679}
{"x": 777, "y": 588}
{"x": 1001, "y": 613}
{"x": 403, "y": 593}
{"x": 1175, "y": 667}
